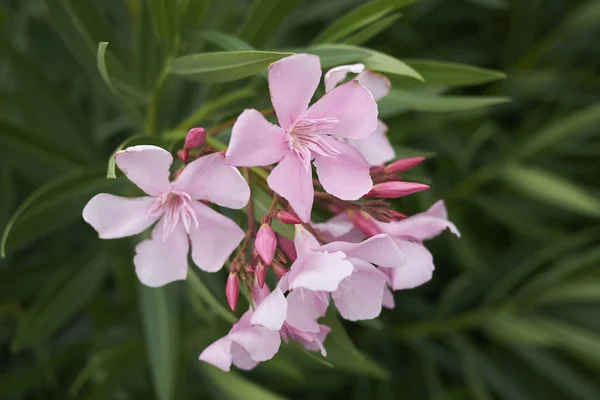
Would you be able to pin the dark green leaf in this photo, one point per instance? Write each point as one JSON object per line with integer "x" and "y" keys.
{"x": 232, "y": 386}
{"x": 200, "y": 290}
{"x": 373, "y": 30}
{"x": 225, "y": 41}
{"x": 447, "y": 74}
{"x": 263, "y": 19}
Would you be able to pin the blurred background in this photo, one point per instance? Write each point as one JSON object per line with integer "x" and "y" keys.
{"x": 513, "y": 310}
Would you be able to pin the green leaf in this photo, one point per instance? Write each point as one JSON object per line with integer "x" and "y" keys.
{"x": 332, "y": 55}
{"x": 263, "y": 19}
{"x": 195, "y": 285}
{"x": 548, "y": 188}
{"x": 126, "y": 93}
{"x": 50, "y": 311}
{"x": 373, "y": 30}
{"x": 225, "y": 41}
{"x": 162, "y": 15}
{"x": 102, "y": 64}
{"x": 384, "y": 63}
{"x": 585, "y": 291}
{"x": 159, "y": 310}
{"x": 514, "y": 329}
{"x": 224, "y": 66}
{"x": 398, "y": 101}
{"x": 34, "y": 212}
{"x": 448, "y": 74}
{"x": 230, "y": 385}
{"x": 473, "y": 377}
{"x": 358, "y": 18}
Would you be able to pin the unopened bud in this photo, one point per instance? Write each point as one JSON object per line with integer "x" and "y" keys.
{"x": 265, "y": 244}
{"x": 364, "y": 223}
{"x": 392, "y": 190}
{"x": 397, "y": 215}
{"x": 279, "y": 270}
{"x": 183, "y": 155}
{"x": 403, "y": 165}
{"x": 195, "y": 138}
{"x": 232, "y": 290}
{"x": 288, "y": 218}
{"x": 261, "y": 274}
{"x": 287, "y": 247}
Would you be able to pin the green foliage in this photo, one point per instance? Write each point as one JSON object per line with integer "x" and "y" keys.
{"x": 512, "y": 310}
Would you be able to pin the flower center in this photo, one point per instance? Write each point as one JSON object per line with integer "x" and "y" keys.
{"x": 307, "y": 136}
{"x": 175, "y": 207}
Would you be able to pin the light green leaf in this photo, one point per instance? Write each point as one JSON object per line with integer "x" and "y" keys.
{"x": 225, "y": 41}
{"x": 102, "y": 64}
{"x": 585, "y": 291}
{"x": 373, "y": 30}
{"x": 196, "y": 287}
{"x": 263, "y": 19}
{"x": 232, "y": 386}
{"x": 514, "y": 329}
{"x": 52, "y": 310}
{"x": 448, "y": 74}
{"x": 358, "y": 18}
{"x": 545, "y": 187}
{"x": 384, "y": 63}
{"x": 224, "y": 66}
{"x": 332, "y": 55}
{"x": 159, "y": 310}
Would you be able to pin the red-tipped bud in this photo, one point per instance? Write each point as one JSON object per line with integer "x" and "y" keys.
{"x": 288, "y": 218}
{"x": 403, "y": 165}
{"x": 265, "y": 244}
{"x": 397, "y": 215}
{"x": 232, "y": 290}
{"x": 392, "y": 190}
{"x": 364, "y": 223}
{"x": 261, "y": 274}
{"x": 287, "y": 247}
{"x": 183, "y": 155}
{"x": 279, "y": 270}
{"x": 195, "y": 138}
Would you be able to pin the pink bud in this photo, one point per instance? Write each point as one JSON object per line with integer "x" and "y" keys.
{"x": 287, "y": 247}
{"x": 403, "y": 165}
{"x": 392, "y": 190}
{"x": 364, "y": 223}
{"x": 288, "y": 218}
{"x": 261, "y": 274}
{"x": 183, "y": 155}
{"x": 232, "y": 290}
{"x": 265, "y": 244}
{"x": 397, "y": 215}
{"x": 195, "y": 138}
{"x": 279, "y": 270}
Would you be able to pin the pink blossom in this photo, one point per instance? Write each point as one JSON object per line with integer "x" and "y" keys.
{"x": 183, "y": 220}
{"x": 195, "y": 138}
{"x": 232, "y": 290}
{"x": 265, "y": 244}
{"x": 316, "y": 133}
{"x": 376, "y": 148}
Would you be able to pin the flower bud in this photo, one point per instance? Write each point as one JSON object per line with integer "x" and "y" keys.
{"x": 364, "y": 223}
{"x": 195, "y": 138}
{"x": 265, "y": 244}
{"x": 287, "y": 247}
{"x": 288, "y": 218}
{"x": 260, "y": 273}
{"x": 232, "y": 290}
{"x": 392, "y": 190}
{"x": 183, "y": 155}
{"x": 279, "y": 270}
{"x": 403, "y": 165}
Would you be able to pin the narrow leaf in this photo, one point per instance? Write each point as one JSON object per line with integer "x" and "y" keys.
{"x": 264, "y": 18}
{"x": 373, "y": 30}
{"x": 448, "y": 74}
{"x": 232, "y": 386}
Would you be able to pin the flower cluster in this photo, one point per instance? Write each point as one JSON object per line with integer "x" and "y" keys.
{"x": 355, "y": 259}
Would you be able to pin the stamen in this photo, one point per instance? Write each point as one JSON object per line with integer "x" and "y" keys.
{"x": 308, "y": 136}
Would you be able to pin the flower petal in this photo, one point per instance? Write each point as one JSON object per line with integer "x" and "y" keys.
{"x": 335, "y": 75}
{"x": 316, "y": 341}
{"x": 420, "y": 227}
{"x": 388, "y": 298}
{"x": 159, "y": 261}
{"x": 209, "y": 178}
{"x": 438, "y": 209}
{"x": 305, "y": 307}
{"x": 255, "y": 141}
{"x": 352, "y": 106}
{"x": 304, "y": 242}
{"x": 418, "y": 269}
{"x": 218, "y": 354}
{"x": 360, "y": 296}
{"x": 214, "y": 239}
{"x": 292, "y": 83}
{"x": 379, "y": 250}
{"x": 376, "y": 147}
{"x": 146, "y": 166}
{"x": 377, "y": 84}
{"x": 272, "y": 311}
{"x": 116, "y": 217}
{"x": 241, "y": 358}
{"x": 260, "y": 343}
{"x": 347, "y": 175}
{"x": 292, "y": 181}
{"x": 339, "y": 227}
{"x": 320, "y": 271}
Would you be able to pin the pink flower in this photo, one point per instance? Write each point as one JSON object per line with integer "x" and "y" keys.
{"x": 182, "y": 218}
{"x": 306, "y": 134}
{"x": 265, "y": 244}
{"x": 376, "y": 147}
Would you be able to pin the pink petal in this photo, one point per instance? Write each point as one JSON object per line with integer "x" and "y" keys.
{"x": 354, "y": 108}
{"x": 438, "y": 209}
{"x": 316, "y": 341}
{"x": 260, "y": 343}
{"x": 258, "y": 293}
{"x": 218, "y": 354}
{"x": 360, "y": 295}
{"x": 158, "y": 261}
{"x": 305, "y": 307}
{"x": 147, "y": 167}
{"x": 347, "y": 175}
{"x": 418, "y": 269}
{"x": 214, "y": 239}
{"x": 116, "y": 217}
{"x": 292, "y": 83}
{"x": 377, "y": 84}
{"x": 293, "y": 182}
{"x": 388, "y": 298}
{"x": 241, "y": 358}
{"x": 304, "y": 242}
{"x": 255, "y": 141}
{"x": 272, "y": 311}
{"x": 378, "y": 250}
{"x": 420, "y": 227}
{"x": 376, "y": 147}
{"x": 336, "y": 75}
{"x": 209, "y": 178}
{"x": 339, "y": 227}
{"x": 320, "y": 271}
